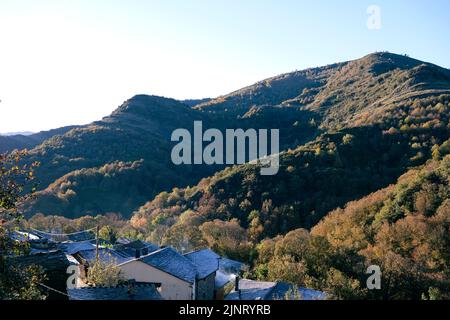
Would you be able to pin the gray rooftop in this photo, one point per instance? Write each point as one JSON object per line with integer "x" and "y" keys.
{"x": 75, "y": 247}
{"x": 205, "y": 260}
{"x": 229, "y": 266}
{"x": 105, "y": 255}
{"x": 54, "y": 260}
{"x": 252, "y": 290}
{"x": 284, "y": 290}
{"x": 171, "y": 262}
{"x": 138, "y": 291}
{"x": 262, "y": 290}
{"x": 129, "y": 248}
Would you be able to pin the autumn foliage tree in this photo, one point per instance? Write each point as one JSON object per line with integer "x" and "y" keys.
{"x": 16, "y": 282}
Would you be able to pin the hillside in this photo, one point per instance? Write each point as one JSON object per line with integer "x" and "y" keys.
{"x": 135, "y": 136}
{"x": 396, "y": 103}
{"x": 403, "y": 229}
{"x": 136, "y": 132}
{"x": 272, "y": 91}
{"x": 313, "y": 179}
{"x": 340, "y": 91}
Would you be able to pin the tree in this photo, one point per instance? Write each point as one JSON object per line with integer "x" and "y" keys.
{"x": 342, "y": 287}
{"x": 108, "y": 233}
{"x": 287, "y": 269}
{"x": 227, "y": 238}
{"x": 255, "y": 228}
{"x": 16, "y": 282}
{"x": 185, "y": 236}
{"x": 293, "y": 294}
{"x": 348, "y": 138}
{"x": 104, "y": 274}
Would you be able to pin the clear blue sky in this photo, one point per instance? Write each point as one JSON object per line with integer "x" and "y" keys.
{"x": 73, "y": 61}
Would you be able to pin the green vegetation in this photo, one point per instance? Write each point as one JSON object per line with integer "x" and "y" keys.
{"x": 16, "y": 282}
{"x": 88, "y": 170}
{"x": 104, "y": 274}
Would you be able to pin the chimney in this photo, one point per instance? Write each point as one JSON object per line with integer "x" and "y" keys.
{"x": 236, "y": 286}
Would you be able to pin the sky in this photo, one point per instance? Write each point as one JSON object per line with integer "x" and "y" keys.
{"x": 65, "y": 62}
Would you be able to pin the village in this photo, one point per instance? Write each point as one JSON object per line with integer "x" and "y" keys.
{"x": 150, "y": 272}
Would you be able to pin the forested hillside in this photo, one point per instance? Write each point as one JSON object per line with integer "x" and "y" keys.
{"x": 313, "y": 179}
{"x": 363, "y": 179}
{"x": 403, "y": 228}
{"x": 394, "y": 108}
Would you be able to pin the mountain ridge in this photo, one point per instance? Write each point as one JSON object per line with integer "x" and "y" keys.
{"x": 303, "y": 104}
{"x": 12, "y": 142}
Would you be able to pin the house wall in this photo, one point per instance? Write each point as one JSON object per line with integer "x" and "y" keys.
{"x": 206, "y": 287}
{"x": 172, "y": 288}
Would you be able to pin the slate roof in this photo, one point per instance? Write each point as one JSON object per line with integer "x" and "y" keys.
{"x": 75, "y": 247}
{"x": 138, "y": 291}
{"x": 104, "y": 254}
{"x": 261, "y": 290}
{"x": 252, "y": 290}
{"x": 123, "y": 240}
{"x": 42, "y": 235}
{"x": 128, "y": 248}
{"x": 229, "y": 266}
{"x": 171, "y": 262}
{"x": 81, "y": 236}
{"x": 41, "y": 245}
{"x": 50, "y": 260}
{"x": 281, "y": 289}
{"x": 139, "y": 244}
{"x": 205, "y": 260}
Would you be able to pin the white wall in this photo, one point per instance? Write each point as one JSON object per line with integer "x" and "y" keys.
{"x": 172, "y": 288}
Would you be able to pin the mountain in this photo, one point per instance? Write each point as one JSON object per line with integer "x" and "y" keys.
{"x": 135, "y": 136}
{"x": 272, "y": 91}
{"x": 193, "y": 102}
{"x": 342, "y": 91}
{"x": 363, "y": 179}
{"x": 132, "y": 143}
{"x": 366, "y": 142}
{"x": 313, "y": 179}
{"x": 346, "y": 130}
{"x": 24, "y": 133}
{"x": 28, "y": 140}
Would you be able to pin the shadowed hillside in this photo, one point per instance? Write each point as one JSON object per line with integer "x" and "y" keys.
{"x": 137, "y": 132}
